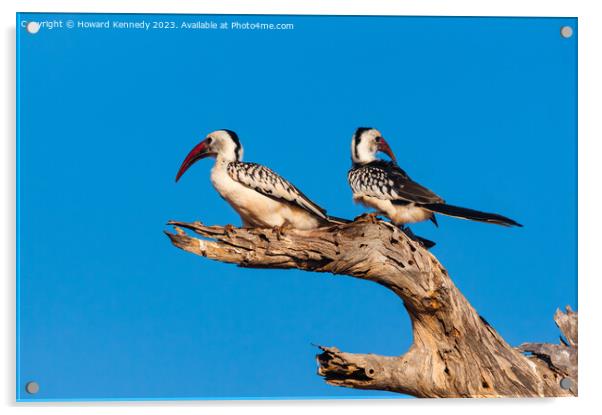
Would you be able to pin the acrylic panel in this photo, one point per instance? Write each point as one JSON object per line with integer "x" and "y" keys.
{"x": 482, "y": 111}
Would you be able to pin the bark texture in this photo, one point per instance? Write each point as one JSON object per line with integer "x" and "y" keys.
{"x": 455, "y": 352}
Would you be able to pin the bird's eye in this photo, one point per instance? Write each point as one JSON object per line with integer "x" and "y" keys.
{"x": 209, "y": 140}
{"x": 378, "y": 139}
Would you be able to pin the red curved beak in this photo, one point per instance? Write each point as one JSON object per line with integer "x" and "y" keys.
{"x": 200, "y": 151}
{"x": 383, "y": 146}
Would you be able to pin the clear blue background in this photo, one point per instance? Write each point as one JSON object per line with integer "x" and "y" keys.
{"x": 481, "y": 110}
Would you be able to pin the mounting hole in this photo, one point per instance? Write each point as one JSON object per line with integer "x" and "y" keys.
{"x": 33, "y": 27}
{"x": 566, "y": 383}
{"x": 32, "y": 388}
{"x": 566, "y": 32}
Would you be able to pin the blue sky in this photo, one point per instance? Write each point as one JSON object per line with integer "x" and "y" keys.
{"x": 480, "y": 110}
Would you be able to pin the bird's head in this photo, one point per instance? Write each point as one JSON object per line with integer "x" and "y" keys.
{"x": 222, "y": 144}
{"x": 366, "y": 142}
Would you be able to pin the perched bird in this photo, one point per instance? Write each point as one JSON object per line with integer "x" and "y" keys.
{"x": 384, "y": 186}
{"x": 260, "y": 196}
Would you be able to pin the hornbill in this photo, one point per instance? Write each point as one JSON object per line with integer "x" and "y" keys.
{"x": 261, "y": 197}
{"x": 384, "y": 186}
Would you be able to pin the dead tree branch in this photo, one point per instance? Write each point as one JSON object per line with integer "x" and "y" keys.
{"x": 455, "y": 353}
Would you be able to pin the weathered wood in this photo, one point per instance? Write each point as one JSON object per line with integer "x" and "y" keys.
{"x": 455, "y": 353}
{"x": 560, "y": 358}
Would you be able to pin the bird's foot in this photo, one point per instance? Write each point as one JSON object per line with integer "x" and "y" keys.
{"x": 367, "y": 217}
{"x": 279, "y": 230}
{"x": 229, "y": 229}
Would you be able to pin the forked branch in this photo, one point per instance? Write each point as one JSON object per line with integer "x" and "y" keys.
{"x": 455, "y": 352}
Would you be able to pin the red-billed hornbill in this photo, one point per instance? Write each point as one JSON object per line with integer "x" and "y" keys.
{"x": 260, "y": 196}
{"x": 384, "y": 186}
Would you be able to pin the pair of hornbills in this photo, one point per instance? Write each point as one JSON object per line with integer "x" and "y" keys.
{"x": 263, "y": 199}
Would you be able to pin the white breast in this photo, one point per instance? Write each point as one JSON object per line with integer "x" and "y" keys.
{"x": 254, "y": 208}
{"x": 397, "y": 213}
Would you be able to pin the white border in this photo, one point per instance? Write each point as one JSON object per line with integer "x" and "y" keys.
{"x": 590, "y": 208}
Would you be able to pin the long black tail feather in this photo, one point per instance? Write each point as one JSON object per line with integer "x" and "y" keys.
{"x": 471, "y": 214}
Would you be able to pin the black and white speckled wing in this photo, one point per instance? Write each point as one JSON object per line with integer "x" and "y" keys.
{"x": 386, "y": 181}
{"x": 270, "y": 184}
